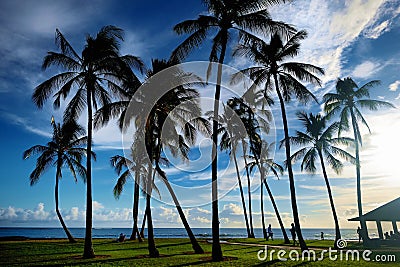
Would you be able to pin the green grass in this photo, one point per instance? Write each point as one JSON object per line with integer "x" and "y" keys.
{"x": 173, "y": 252}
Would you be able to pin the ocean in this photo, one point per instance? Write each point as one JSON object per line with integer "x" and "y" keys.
{"x": 309, "y": 234}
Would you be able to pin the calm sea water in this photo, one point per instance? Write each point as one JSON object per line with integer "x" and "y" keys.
{"x": 309, "y": 234}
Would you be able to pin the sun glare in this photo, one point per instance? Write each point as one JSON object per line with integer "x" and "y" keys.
{"x": 382, "y": 147}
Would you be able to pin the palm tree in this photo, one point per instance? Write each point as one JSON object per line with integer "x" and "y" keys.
{"x": 224, "y": 16}
{"x": 175, "y": 108}
{"x": 64, "y": 150}
{"x": 284, "y": 77}
{"x": 348, "y": 100}
{"x": 265, "y": 164}
{"x": 317, "y": 141}
{"x": 232, "y": 132}
{"x": 98, "y": 68}
{"x": 240, "y": 105}
{"x": 179, "y": 107}
{"x": 260, "y": 150}
{"x": 120, "y": 163}
{"x": 244, "y": 148}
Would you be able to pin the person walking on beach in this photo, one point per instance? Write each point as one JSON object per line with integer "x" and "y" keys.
{"x": 293, "y": 232}
{"x": 359, "y": 234}
{"x": 270, "y": 233}
{"x": 322, "y": 235}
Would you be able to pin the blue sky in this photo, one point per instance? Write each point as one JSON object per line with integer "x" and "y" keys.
{"x": 357, "y": 38}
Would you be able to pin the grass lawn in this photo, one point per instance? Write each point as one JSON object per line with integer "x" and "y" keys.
{"x": 173, "y": 252}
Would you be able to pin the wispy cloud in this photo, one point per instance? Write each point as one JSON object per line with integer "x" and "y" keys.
{"x": 25, "y": 124}
{"x": 366, "y": 69}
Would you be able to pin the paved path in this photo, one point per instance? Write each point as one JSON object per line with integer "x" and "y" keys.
{"x": 263, "y": 245}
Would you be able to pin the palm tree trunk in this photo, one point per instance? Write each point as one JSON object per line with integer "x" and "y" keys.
{"x": 216, "y": 246}
{"x": 88, "y": 251}
{"x": 328, "y": 187}
{"x": 248, "y": 190}
{"x": 265, "y": 235}
{"x": 358, "y": 173}
{"x": 195, "y": 245}
{"x": 271, "y": 197}
{"x": 296, "y": 219}
{"x": 145, "y": 212}
{"x": 278, "y": 216}
{"x": 143, "y": 223}
{"x": 241, "y": 193}
{"x": 71, "y": 239}
{"x": 135, "y": 208}
{"x": 153, "y": 252}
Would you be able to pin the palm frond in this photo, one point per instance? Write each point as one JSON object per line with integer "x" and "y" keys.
{"x": 119, "y": 186}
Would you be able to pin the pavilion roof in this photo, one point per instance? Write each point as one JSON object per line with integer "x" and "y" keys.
{"x": 387, "y": 212}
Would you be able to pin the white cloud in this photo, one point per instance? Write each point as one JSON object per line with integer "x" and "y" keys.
{"x": 354, "y": 16}
{"x": 18, "y": 214}
{"x": 365, "y": 69}
{"x": 332, "y": 26}
{"x": 378, "y": 30}
{"x": 203, "y": 211}
{"x": 97, "y": 205}
{"x": 202, "y": 219}
{"x": 8, "y": 213}
{"x": 233, "y": 209}
{"x": 394, "y": 86}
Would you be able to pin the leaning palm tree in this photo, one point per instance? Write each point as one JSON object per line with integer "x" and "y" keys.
{"x": 348, "y": 100}
{"x": 232, "y": 131}
{"x": 275, "y": 73}
{"x": 97, "y": 72}
{"x": 224, "y": 18}
{"x": 64, "y": 150}
{"x": 317, "y": 142}
{"x": 120, "y": 163}
{"x": 261, "y": 159}
{"x": 265, "y": 164}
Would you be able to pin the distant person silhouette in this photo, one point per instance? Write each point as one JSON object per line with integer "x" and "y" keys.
{"x": 270, "y": 233}
{"x": 387, "y": 236}
{"x": 121, "y": 238}
{"x": 359, "y": 234}
{"x": 293, "y": 232}
{"x": 322, "y": 235}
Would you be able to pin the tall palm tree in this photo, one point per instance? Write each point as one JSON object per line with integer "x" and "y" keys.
{"x": 64, "y": 150}
{"x": 348, "y": 100}
{"x": 224, "y": 18}
{"x": 232, "y": 132}
{"x": 276, "y": 73}
{"x": 317, "y": 142}
{"x": 96, "y": 74}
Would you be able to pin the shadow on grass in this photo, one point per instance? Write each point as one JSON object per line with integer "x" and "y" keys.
{"x": 172, "y": 245}
{"x": 267, "y": 263}
{"x": 204, "y": 260}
